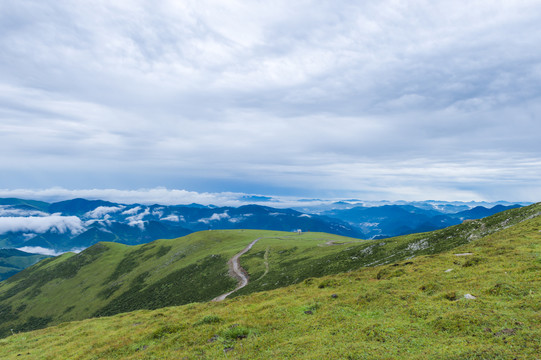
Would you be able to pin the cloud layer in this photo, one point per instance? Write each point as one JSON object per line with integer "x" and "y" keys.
{"x": 40, "y": 225}
{"x": 103, "y": 211}
{"x": 381, "y": 99}
{"x": 45, "y": 251}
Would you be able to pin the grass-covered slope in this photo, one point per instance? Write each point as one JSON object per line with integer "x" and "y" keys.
{"x": 281, "y": 261}
{"x": 410, "y": 309}
{"x": 109, "y": 278}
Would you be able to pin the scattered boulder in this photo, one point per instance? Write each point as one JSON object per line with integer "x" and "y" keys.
{"x": 469, "y": 297}
{"x": 334, "y": 296}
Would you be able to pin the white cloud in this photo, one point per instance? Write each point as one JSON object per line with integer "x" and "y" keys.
{"x": 221, "y": 216}
{"x": 102, "y": 211}
{"x": 139, "y": 223}
{"x": 172, "y": 217}
{"x": 39, "y": 250}
{"x": 8, "y": 211}
{"x": 132, "y": 211}
{"x": 158, "y": 195}
{"x": 46, "y": 251}
{"x": 29, "y": 236}
{"x": 215, "y": 217}
{"x": 138, "y": 217}
{"x": 54, "y": 223}
{"x": 158, "y": 212}
{"x": 200, "y": 92}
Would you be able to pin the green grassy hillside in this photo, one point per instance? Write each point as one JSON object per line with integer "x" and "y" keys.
{"x": 419, "y": 308}
{"x": 110, "y": 278}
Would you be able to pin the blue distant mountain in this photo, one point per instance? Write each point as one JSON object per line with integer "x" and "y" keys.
{"x": 80, "y": 223}
{"x": 379, "y": 222}
{"x": 12, "y": 261}
{"x": 77, "y": 206}
{"x": 481, "y": 212}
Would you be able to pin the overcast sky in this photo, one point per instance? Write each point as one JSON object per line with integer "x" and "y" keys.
{"x": 373, "y": 100}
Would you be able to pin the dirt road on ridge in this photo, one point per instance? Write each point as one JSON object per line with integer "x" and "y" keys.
{"x": 236, "y": 271}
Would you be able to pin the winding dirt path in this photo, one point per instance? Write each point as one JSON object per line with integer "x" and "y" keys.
{"x": 236, "y": 271}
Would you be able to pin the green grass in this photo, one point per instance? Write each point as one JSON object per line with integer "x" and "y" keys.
{"x": 409, "y": 309}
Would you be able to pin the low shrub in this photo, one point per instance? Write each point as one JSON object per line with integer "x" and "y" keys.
{"x": 208, "y": 319}
{"x": 236, "y": 332}
{"x": 165, "y": 331}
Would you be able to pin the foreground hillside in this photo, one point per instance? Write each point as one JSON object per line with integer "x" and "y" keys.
{"x": 481, "y": 300}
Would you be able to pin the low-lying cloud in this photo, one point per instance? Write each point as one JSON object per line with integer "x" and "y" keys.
{"x": 9, "y": 211}
{"x": 173, "y": 218}
{"x": 138, "y": 216}
{"x": 132, "y": 211}
{"x": 101, "y": 211}
{"x": 55, "y": 223}
{"x": 159, "y": 195}
{"x": 46, "y": 251}
{"x": 215, "y": 217}
{"x": 139, "y": 223}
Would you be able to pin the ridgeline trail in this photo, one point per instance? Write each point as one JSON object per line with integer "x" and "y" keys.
{"x": 236, "y": 271}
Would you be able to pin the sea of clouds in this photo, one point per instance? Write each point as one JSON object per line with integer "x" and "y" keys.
{"x": 41, "y": 224}
{"x": 46, "y": 251}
